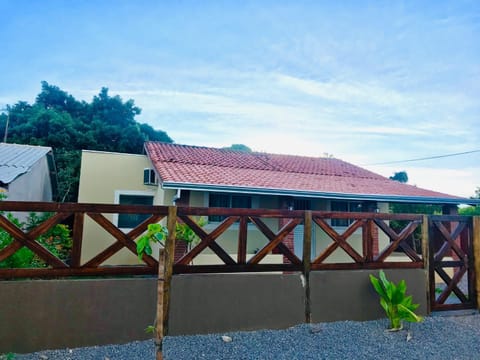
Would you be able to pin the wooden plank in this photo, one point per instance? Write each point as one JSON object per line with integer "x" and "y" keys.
{"x": 160, "y": 329}
{"x": 45, "y": 273}
{"x": 451, "y": 284}
{"x": 208, "y": 240}
{"x": 284, "y": 231}
{"x": 341, "y": 240}
{"x": 449, "y": 241}
{"x": 407, "y": 231}
{"x": 307, "y": 261}
{"x": 284, "y": 250}
{"x": 36, "y": 247}
{"x": 367, "y": 240}
{"x": 200, "y": 269}
{"x": 98, "y": 259}
{"x": 143, "y": 226}
{"x": 10, "y": 250}
{"x": 261, "y": 213}
{"x": 77, "y": 235}
{"x": 366, "y": 265}
{"x": 430, "y": 280}
{"x": 121, "y": 237}
{"x": 476, "y": 256}
{"x": 242, "y": 240}
{"x": 169, "y": 261}
{"x": 47, "y": 225}
{"x": 29, "y": 206}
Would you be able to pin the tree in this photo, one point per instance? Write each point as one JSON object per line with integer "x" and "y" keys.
{"x": 471, "y": 210}
{"x": 400, "y": 176}
{"x": 238, "y": 147}
{"x": 58, "y": 120}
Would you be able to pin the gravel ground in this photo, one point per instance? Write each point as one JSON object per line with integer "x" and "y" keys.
{"x": 438, "y": 337}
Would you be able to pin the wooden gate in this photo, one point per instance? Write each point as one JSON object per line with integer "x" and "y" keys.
{"x": 451, "y": 269}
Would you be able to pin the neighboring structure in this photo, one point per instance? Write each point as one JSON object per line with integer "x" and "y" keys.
{"x": 27, "y": 173}
{"x": 209, "y": 177}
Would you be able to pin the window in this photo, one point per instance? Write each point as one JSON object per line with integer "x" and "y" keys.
{"x": 228, "y": 201}
{"x": 302, "y": 204}
{"x": 345, "y": 206}
{"x": 149, "y": 177}
{"x": 129, "y": 221}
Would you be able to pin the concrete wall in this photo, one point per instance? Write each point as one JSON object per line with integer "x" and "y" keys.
{"x": 210, "y": 303}
{"x": 348, "y": 295}
{"x": 47, "y": 314}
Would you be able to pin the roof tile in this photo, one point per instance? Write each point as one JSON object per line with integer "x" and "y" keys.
{"x": 221, "y": 167}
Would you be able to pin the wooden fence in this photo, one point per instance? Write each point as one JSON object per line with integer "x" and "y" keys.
{"x": 457, "y": 238}
{"x": 74, "y": 214}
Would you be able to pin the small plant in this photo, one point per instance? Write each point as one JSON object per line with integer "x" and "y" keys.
{"x": 157, "y": 233}
{"x": 393, "y": 300}
{"x": 7, "y": 356}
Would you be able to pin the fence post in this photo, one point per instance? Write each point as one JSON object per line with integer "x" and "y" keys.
{"x": 307, "y": 261}
{"x": 165, "y": 271}
{"x": 476, "y": 256}
{"x": 426, "y": 260}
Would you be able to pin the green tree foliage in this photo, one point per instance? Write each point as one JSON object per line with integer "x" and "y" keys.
{"x": 238, "y": 147}
{"x": 471, "y": 210}
{"x": 57, "y": 240}
{"x": 400, "y": 176}
{"x": 414, "y": 240}
{"x": 68, "y": 125}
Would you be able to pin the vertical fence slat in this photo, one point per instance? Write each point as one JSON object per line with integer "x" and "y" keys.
{"x": 160, "y": 305}
{"x": 165, "y": 272}
{"x": 307, "y": 261}
{"x": 426, "y": 262}
{"x": 476, "y": 256}
{"x": 242, "y": 241}
{"x": 169, "y": 260}
{"x": 77, "y": 234}
{"x": 367, "y": 240}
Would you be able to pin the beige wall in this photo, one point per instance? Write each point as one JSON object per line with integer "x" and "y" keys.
{"x": 104, "y": 175}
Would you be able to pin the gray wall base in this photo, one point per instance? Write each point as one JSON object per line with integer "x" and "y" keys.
{"x": 50, "y": 314}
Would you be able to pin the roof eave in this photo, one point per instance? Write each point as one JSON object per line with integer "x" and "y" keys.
{"x": 319, "y": 194}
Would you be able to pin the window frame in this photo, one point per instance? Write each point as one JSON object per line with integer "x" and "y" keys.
{"x": 220, "y": 218}
{"x": 343, "y": 223}
{"x": 118, "y": 193}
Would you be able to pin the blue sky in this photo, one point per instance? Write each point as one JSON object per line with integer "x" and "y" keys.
{"x": 368, "y": 82}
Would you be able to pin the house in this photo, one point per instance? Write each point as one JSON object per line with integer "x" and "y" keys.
{"x": 27, "y": 173}
{"x": 210, "y": 177}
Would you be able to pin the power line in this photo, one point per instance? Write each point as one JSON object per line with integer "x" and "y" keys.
{"x": 425, "y": 158}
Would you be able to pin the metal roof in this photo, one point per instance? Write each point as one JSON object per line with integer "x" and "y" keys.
{"x": 16, "y": 159}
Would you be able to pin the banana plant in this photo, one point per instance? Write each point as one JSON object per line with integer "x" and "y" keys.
{"x": 397, "y": 305}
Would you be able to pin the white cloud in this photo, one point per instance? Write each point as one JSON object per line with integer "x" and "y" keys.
{"x": 459, "y": 182}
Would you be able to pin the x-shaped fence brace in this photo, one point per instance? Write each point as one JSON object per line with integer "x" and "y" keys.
{"x": 449, "y": 243}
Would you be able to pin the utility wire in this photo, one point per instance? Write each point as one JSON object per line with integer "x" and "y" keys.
{"x": 425, "y": 158}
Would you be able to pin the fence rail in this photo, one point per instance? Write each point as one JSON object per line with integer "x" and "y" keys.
{"x": 276, "y": 226}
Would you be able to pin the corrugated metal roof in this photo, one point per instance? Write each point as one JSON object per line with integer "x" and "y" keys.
{"x": 16, "y": 159}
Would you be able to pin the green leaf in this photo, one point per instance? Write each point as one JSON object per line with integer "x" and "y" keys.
{"x": 409, "y": 315}
{"x": 377, "y": 286}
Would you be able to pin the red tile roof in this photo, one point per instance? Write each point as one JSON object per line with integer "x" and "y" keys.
{"x": 203, "y": 166}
